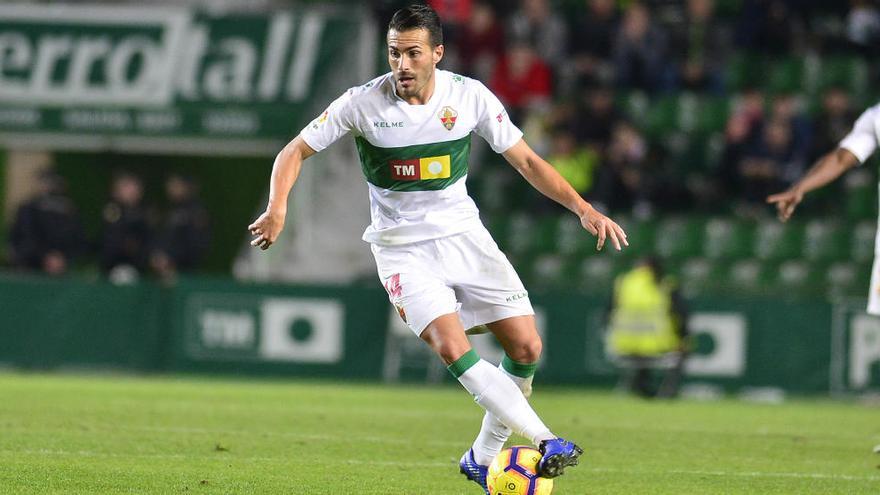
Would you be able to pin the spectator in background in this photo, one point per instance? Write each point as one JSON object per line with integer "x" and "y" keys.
{"x": 47, "y": 234}
{"x": 770, "y": 26}
{"x": 481, "y": 42}
{"x": 766, "y": 165}
{"x": 522, "y": 80}
{"x": 787, "y": 109}
{"x": 640, "y": 51}
{"x": 624, "y": 181}
{"x": 539, "y": 26}
{"x": 647, "y": 330}
{"x": 126, "y": 233}
{"x": 742, "y": 130}
{"x": 863, "y": 24}
{"x": 833, "y": 122}
{"x": 575, "y": 164}
{"x": 185, "y": 234}
{"x": 699, "y": 47}
{"x": 595, "y": 116}
{"x": 591, "y": 41}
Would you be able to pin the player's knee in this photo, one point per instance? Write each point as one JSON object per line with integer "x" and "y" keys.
{"x": 527, "y": 352}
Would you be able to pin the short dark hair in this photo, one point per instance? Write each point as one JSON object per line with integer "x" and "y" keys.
{"x": 418, "y": 17}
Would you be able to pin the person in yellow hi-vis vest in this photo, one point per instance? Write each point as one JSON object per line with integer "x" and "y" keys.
{"x": 647, "y": 329}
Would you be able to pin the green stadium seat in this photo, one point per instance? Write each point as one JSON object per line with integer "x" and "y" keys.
{"x": 847, "y": 278}
{"x": 679, "y": 237}
{"x": 775, "y": 240}
{"x": 798, "y": 277}
{"x": 744, "y": 70}
{"x": 747, "y": 276}
{"x": 596, "y": 275}
{"x": 640, "y": 235}
{"x": 661, "y": 117}
{"x": 548, "y": 271}
{"x": 862, "y": 244}
{"x": 847, "y": 71}
{"x": 571, "y": 238}
{"x": 786, "y": 75}
{"x": 696, "y": 275}
{"x": 861, "y": 195}
{"x": 825, "y": 240}
{"x": 728, "y": 238}
{"x": 543, "y": 239}
{"x": 518, "y": 234}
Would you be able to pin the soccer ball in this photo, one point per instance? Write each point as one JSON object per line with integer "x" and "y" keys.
{"x": 514, "y": 472}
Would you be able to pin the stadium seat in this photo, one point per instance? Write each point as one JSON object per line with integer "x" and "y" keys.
{"x": 548, "y": 271}
{"x": 847, "y": 71}
{"x": 699, "y": 274}
{"x": 862, "y": 244}
{"x": 571, "y": 238}
{"x": 640, "y": 234}
{"x": 596, "y": 274}
{"x": 796, "y": 277}
{"x": 728, "y": 238}
{"x": 825, "y": 240}
{"x": 775, "y": 240}
{"x": 679, "y": 237}
{"x": 847, "y": 278}
{"x": 786, "y": 75}
{"x": 746, "y": 276}
{"x": 861, "y": 195}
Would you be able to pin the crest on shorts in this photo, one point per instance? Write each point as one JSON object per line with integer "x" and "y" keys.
{"x": 448, "y": 115}
{"x": 392, "y": 286}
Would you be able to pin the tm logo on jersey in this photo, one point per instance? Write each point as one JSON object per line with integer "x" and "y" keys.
{"x": 434, "y": 167}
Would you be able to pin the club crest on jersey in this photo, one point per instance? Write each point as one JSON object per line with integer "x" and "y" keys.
{"x": 433, "y": 167}
{"x": 448, "y": 115}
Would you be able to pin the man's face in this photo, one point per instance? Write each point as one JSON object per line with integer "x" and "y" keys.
{"x": 412, "y": 60}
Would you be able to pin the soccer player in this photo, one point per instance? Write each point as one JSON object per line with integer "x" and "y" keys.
{"x": 853, "y": 150}
{"x": 441, "y": 268}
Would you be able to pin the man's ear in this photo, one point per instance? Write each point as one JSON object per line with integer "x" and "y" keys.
{"x": 437, "y": 54}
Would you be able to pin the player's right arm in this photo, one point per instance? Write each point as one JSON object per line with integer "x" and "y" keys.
{"x": 285, "y": 171}
{"x": 854, "y": 149}
{"x": 321, "y": 132}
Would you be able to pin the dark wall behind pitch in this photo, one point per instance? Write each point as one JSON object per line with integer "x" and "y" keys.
{"x": 232, "y": 189}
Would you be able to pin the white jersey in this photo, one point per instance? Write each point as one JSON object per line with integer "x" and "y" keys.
{"x": 862, "y": 141}
{"x": 415, "y": 157}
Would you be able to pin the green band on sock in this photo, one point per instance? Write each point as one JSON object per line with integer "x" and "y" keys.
{"x": 522, "y": 370}
{"x": 463, "y": 363}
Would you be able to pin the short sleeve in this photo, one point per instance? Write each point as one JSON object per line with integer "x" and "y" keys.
{"x": 493, "y": 123}
{"x": 335, "y": 122}
{"x": 862, "y": 140}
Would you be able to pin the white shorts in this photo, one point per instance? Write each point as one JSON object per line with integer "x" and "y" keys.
{"x": 874, "y": 289}
{"x": 464, "y": 273}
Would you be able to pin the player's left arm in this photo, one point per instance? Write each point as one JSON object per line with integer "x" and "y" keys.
{"x": 543, "y": 177}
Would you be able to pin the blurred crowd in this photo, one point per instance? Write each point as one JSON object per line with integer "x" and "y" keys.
{"x": 135, "y": 239}
{"x": 565, "y": 68}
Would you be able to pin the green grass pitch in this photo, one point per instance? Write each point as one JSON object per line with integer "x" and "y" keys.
{"x": 120, "y": 434}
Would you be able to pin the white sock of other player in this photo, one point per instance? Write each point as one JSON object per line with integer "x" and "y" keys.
{"x": 493, "y": 433}
{"x": 497, "y": 394}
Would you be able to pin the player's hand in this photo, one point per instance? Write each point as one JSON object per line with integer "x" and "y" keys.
{"x": 603, "y": 228}
{"x": 786, "y": 202}
{"x": 266, "y": 229}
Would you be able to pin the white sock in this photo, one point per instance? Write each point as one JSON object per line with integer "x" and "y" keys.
{"x": 498, "y": 394}
{"x": 493, "y": 433}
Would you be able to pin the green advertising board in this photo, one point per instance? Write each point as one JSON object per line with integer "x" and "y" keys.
{"x": 210, "y": 325}
{"x": 167, "y": 78}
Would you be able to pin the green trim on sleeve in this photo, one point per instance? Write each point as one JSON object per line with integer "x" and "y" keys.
{"x": 464, "y": 363}
{"x": 522, "y": 370}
